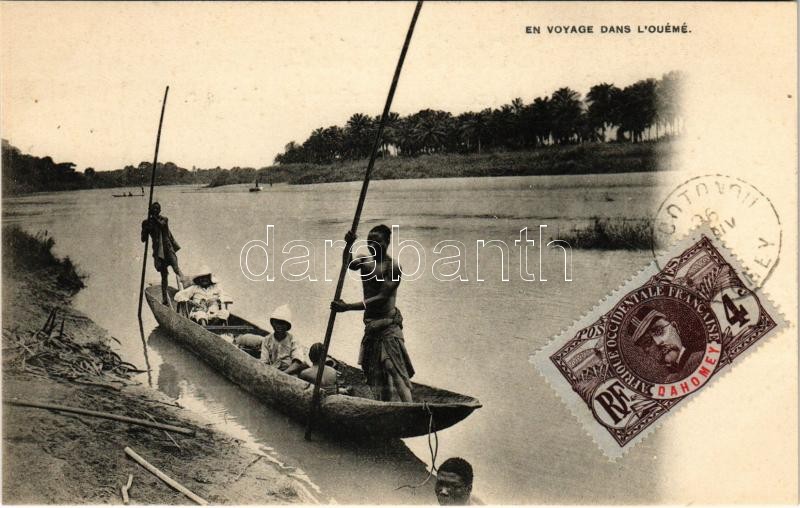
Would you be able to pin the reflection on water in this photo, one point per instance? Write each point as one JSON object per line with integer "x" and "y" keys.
{"x": 351, "y": 473}
{"x": 148, "y": 369}
{"x": 470, "y": 337}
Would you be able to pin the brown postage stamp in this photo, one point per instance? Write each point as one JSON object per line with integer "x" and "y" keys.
{"x": 656, "y": 341}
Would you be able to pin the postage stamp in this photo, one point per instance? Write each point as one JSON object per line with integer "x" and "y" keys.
{"x": 656, "y": 341}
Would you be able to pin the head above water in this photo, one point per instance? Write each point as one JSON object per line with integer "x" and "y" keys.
{"x": 378, "y": 239}
{"x": 454, "y": 482}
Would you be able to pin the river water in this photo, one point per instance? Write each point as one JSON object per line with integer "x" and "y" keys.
{"x": 473, "y": 336}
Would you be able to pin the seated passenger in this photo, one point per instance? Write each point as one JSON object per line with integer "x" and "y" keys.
{"x": 250, "y": 343}
{"x": 279, "y": 349}
{"x": 329, "y": 374}
{"x": 206, "y": 299}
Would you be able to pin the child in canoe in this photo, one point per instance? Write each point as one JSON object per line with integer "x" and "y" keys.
{"x": 279, "y": 349}
{"x": 329, "y": 374}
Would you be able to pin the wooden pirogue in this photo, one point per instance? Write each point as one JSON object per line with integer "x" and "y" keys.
{"x": 354, "y": 416}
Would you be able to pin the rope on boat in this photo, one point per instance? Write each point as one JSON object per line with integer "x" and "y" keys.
{"x": 432, "y": 447}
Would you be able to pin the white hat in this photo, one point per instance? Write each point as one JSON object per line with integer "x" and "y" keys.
{"x": 282, "y": 313}
{"x": 203, "y": 272}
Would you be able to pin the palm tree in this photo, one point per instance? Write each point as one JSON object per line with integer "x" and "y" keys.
{"x": 517, "y": 106}
{"x": 315, "y": 146}
{"x": 390, "y": 131}
{"x": 601, "y": 106}
{"x": 539, "y": 120}
{"x": 518, "y": 128}
{"x": 668, "y": 98}
{"x": 502, "y": 126}
{"x": 358, "y": 137}
{"x": 636, "y": 108}
{"x": 473, "y": 128}
{"x": 566, "y": 114}
{"x": 404, "y": 135}
{"x": 431, "y": 130}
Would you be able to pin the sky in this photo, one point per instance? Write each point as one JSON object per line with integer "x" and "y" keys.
{"x": 83, "y": 82}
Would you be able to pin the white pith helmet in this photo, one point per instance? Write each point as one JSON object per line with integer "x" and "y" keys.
{"x": 282, "y": 313}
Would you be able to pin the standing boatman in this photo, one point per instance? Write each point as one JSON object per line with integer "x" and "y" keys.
{"x": 383, "y": 355}
{"x": 164, "y": 248}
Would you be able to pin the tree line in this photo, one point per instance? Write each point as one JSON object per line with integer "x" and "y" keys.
{"x": 24, "y": 173}
{"x": 646, "y": 110}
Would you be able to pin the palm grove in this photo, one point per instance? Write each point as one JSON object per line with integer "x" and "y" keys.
{"x": 646, "y": 110}
{"x": 601, "y": 133}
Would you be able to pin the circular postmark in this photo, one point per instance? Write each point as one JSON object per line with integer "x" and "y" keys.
{"x": 663, "y": 341}
{"x": 737, "y": 213}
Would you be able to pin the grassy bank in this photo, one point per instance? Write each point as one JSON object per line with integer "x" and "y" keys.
{"x": 587, "y": 158}
{"x": 34, "y": 253}
{"x": 612, "y": 234}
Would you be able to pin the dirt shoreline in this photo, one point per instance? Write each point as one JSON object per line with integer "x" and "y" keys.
{"x": 52, "y": 457}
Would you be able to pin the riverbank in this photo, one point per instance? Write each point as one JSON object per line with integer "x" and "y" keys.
{"x": 586, "y": 158}
{"x": 54, "y": 457}
{"x": 582, "y": 159}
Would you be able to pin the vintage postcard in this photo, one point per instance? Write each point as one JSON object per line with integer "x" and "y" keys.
{"x": 393, "y": 253}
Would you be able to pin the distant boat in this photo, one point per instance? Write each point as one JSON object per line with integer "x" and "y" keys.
{"x": 129, "y": 195}
{"x": 256, "y": 188}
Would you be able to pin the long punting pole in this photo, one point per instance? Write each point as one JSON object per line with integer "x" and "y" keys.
{"x": 315, "y": 400}
{"x": 150, "y": 201}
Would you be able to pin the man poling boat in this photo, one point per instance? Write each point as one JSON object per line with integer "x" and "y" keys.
{"x": 392, "y": 368}
{"x": 379, "y": 401}
{"x": 165, "y": 247}
{"x": 146, "y": 237}
{"x": 383, "y": 354}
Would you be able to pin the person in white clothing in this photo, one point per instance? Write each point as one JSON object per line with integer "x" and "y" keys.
{"x": 206, "y": 299}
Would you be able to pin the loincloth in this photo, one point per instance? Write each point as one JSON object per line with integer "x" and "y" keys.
{"x": 383, "y": 340}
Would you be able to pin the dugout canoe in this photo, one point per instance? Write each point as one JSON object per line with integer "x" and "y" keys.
{"x": 352, "y": 416}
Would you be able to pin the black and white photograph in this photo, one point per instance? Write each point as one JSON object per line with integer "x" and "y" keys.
{"x": 428, "y": 253}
